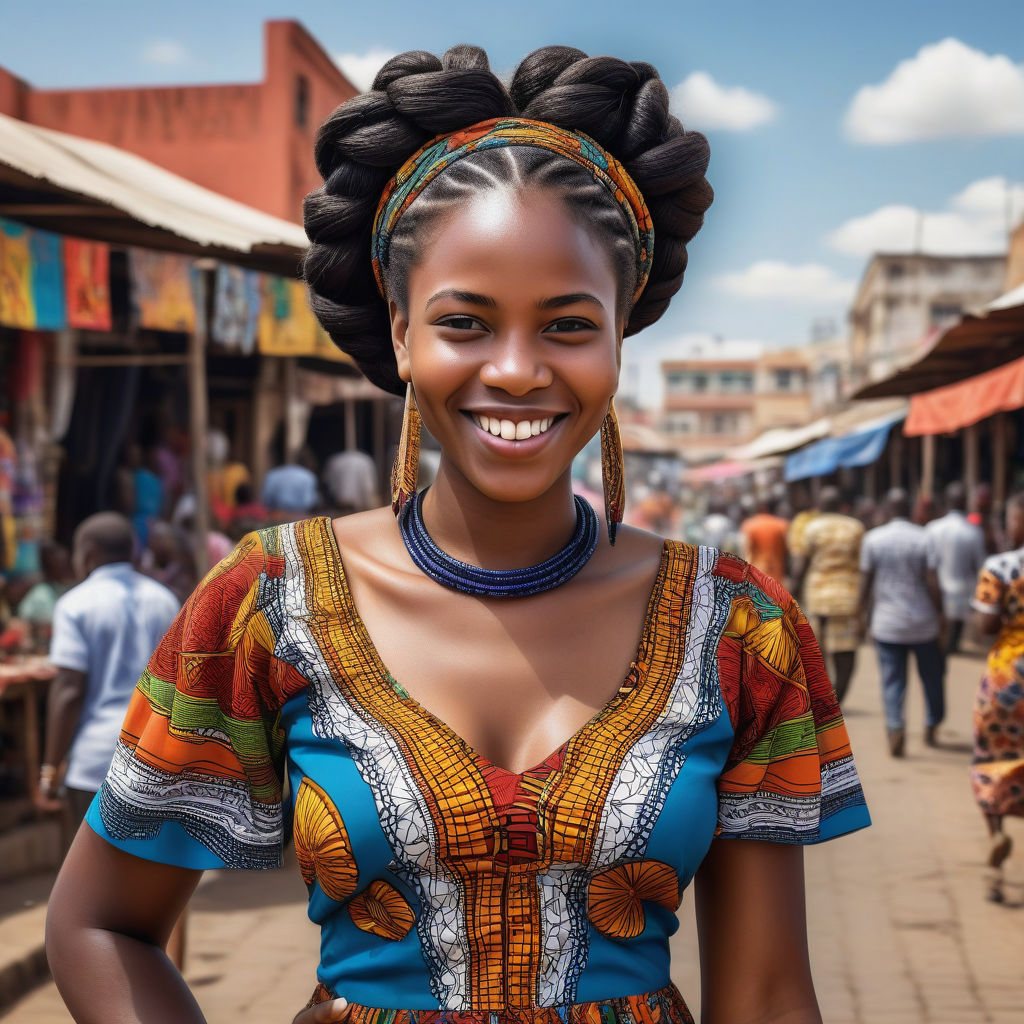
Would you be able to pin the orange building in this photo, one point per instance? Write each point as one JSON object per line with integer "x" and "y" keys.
{"x": 252, "y": 142}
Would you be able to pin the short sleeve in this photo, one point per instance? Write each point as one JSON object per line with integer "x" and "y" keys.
{"x": 990, "y": 590}
{"x": 68, "y": 647}
{"x": 196, "y": 778}
{"x": 790, "y": 775}
{"x": 866, "y": 555}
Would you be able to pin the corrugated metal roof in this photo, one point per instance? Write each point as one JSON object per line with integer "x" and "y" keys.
{"x": 147, "y": 193}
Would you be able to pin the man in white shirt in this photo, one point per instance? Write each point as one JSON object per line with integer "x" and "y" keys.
{"x": 104, "y": 632}
{"x": 960, "y": 549}
{"x": 902, "y": 608}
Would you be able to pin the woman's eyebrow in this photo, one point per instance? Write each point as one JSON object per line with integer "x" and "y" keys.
{"x": 473, "y": 298}
{"x": 558, "y": 301}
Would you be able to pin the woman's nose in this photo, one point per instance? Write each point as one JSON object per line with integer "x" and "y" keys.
{"x": 516, "y": 365}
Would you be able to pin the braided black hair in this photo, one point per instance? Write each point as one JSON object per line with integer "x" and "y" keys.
{"x": 415, "y": 96}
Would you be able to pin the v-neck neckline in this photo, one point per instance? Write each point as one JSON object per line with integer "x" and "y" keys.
{"x": 633, "y": 679}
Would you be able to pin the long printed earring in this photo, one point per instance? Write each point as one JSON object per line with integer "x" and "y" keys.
{"x": 407, "y": 459}
{"x": 612, "y": 472}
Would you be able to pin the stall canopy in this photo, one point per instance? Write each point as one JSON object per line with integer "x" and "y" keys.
{"x": 979, "y": 342}
{"x": 860, "y": 448}
{"x": 972, "y": 400}
{"x": 100, "y": 192}
{"x": 781, "y": 439}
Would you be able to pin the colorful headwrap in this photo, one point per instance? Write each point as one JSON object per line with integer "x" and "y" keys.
{"x": 432, "y": 158}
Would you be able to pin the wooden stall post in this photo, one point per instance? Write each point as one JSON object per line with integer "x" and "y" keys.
{"x": 928, "y": 466}
{"x": 971, "y": 457}
{"x": 198, "y": 418}
{"x": 1000, "y": 462}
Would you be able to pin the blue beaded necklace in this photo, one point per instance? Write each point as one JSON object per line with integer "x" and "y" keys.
{"x": 471, "y": 579}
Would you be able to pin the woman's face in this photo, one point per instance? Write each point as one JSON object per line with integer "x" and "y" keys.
{"x": 512, "y": 341}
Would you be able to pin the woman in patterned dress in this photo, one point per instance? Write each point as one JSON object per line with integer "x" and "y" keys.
{"x": 499, "y": 793}
{"x": 997, "y": 772}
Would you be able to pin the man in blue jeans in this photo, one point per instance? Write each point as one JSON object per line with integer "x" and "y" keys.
{"x": 902, "y": 607}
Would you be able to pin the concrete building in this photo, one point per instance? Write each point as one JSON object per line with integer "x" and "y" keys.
{"x": 252, "y": 142}
{"x": 1015, "y": 259}
{"x": 782, "y": 389}
{"x": 709, "y": 397}
{"x": 722, "y": 394}
{"x": 903, "y": 299}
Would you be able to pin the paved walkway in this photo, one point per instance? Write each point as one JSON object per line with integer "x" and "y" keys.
{"x": 900, "y": 933}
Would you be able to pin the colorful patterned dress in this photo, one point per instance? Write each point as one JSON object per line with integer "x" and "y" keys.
{"x": 997, "y": 772}
{"x": 442, "y": 882}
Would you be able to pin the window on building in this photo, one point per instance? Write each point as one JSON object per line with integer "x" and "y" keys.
{"x": 893, "y": 270}
{"x": 784, "y": 380}
{"x": 736, "y": 381}
{"x": 945, "y": 312}
{"x": 699, "y": 382}
{"x": 724, "y": 423}
{"x": 301, "y": 101}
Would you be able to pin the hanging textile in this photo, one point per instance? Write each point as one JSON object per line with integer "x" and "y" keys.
{"x": 162, "y": 289}
{"x": 87, "y": 284}
{"x": 31, "y": 278}
{"x": 287, "y": 326}
{"x": 236, "y": 309}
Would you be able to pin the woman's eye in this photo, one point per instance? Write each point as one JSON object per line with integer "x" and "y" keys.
{"x": 462, "y": 323}
{"x": 570, "y": 325}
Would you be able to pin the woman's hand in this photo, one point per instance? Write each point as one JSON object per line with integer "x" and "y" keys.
{"x": 324, "y": 1013}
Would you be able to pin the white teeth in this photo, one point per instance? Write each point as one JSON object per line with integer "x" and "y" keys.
{"x": 510, "y": 430}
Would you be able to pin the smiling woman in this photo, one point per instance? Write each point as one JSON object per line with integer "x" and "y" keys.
{"x": 514, "y": 739}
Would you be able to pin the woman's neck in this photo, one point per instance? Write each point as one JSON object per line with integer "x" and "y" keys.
{"x": 474, "y": 528}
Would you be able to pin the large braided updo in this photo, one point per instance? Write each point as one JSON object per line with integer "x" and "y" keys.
{"x": 416, "y": 96}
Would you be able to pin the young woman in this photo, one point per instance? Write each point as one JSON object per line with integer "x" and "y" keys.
{"x": 997, "y": 774}
{"x": 511, "y": 740}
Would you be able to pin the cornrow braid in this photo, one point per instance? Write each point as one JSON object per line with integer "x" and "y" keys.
{"x": 416, "y": 96}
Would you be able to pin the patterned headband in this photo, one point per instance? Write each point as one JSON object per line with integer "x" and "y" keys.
{"x": 432, "y": 158}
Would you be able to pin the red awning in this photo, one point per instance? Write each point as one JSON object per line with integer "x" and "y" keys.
{"x": 959, "y": 405}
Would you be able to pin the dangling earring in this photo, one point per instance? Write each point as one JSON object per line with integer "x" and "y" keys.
{"x": 612, "y": 472}
{"x": 407, "y": 459}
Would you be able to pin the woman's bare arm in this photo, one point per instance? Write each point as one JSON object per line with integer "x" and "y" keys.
{"x": 753, "y": 935}
{"x": 109, "y": 916}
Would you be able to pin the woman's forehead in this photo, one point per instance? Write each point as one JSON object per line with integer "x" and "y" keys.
{"x": 508, "y": 242}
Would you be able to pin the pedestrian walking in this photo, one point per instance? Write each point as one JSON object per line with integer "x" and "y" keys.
{"x": 511, "y": 732}
{"x": 104, "y": 631}
{"x": 291, "y": 488}
{"x": 765, "y": 540}
{"x": 827, "y": 577}
{"x": 960, "y": 549}
{"x": 718, "y": 530}
{"x": 902, "y": 609}
{"x": 350, "y": 480}
{"x": 997, "y": 771}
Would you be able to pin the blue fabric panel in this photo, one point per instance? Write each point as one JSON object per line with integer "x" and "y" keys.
{"x": 172, "y": 846}
{"x": 826, "y": 456}
{"x": 48, "y": 280}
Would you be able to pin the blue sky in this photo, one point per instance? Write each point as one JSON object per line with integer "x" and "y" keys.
{"x": 803, "y": 193}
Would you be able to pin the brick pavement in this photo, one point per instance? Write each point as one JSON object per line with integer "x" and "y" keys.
{"x": 900, "y": 933}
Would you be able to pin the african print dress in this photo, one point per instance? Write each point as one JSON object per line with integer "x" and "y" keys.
{"x": 442, "y": 882}
{"x": 997, "y": 772}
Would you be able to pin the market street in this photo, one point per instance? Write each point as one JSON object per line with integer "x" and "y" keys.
{"x": 899, "y": 931}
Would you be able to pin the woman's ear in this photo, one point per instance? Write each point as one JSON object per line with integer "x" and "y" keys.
{"x": 400, "y": 340}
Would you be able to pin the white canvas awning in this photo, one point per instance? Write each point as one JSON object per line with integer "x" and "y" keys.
{"x": 56, "y": 180}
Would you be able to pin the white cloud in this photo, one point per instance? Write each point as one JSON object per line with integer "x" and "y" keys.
{"x": 975, "y": 221}
{"x": 700, "y": 102}
{"x": 948, "y": 89}
{"x": 804, "y": 283}
{"x": 166, "y": 52}
{"x": 361, "y": 68}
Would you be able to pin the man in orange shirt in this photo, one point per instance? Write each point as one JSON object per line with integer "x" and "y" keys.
{"x": 764, "y": 540}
